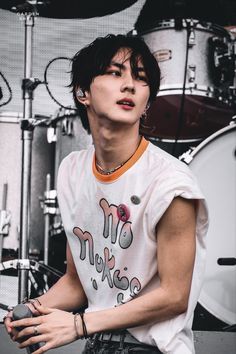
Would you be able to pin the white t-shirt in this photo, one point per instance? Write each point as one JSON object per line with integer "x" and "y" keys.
{"x": 116, "y": 260}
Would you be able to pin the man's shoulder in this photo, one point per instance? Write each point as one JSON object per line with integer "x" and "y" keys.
{"x": 75, "y": 159}
{"x": 77, "y": 156}
{"x": 165, "y": 161}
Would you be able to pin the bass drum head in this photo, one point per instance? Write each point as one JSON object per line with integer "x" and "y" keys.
{"x": 214, "y": 165}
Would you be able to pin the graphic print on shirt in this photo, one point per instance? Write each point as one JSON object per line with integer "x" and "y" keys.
{"x": 120, "y": 233}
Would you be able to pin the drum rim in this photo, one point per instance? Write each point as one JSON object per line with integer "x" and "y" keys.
{"x": 211, "y": 305}
{"x": 212, "y": 137}
{"x": 197, "y": 90}
{"x": 170, "y": 24}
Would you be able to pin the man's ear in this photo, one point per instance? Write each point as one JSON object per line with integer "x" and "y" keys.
{"x": 81, "y": 95}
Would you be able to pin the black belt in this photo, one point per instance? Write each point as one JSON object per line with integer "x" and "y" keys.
{"x": 124, "y": 337}
{"x": 120, "y": 337}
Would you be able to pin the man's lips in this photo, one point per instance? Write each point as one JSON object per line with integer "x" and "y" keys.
{"x": 126, "y": 102}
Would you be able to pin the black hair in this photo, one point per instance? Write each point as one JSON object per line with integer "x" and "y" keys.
{"x": 93, "y": 60}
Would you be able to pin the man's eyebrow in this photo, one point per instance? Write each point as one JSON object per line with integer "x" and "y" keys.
{"x": 118, "y": 65}
{"x": 122, "y": 66}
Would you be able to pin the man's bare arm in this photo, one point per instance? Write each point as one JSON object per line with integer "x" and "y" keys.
{"x": 175, "y": 256}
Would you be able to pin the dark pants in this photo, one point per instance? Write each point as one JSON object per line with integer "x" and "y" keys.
{"x": 117, "y": 343}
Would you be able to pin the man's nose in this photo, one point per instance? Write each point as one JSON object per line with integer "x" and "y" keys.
{"x": 128, "y": 84}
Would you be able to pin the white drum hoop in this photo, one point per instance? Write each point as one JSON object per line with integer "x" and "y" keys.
{"x": 214, "y": 164}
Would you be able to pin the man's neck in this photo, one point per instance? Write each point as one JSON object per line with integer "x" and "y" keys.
{"x": 114, "y": 147}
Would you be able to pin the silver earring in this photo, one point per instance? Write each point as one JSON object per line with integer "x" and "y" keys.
{"x": 80, "y": 93}
{"x": 144, "y": 115}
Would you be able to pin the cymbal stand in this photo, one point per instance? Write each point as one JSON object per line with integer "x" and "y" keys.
{"x": 27, "y": 127}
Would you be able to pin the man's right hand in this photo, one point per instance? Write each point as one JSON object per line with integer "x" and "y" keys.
{"x": 8, "y": 318}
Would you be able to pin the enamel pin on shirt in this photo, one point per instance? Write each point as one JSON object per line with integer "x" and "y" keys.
{"x": 123, "y": 212}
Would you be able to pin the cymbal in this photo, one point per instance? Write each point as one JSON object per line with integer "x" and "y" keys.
{"x": 69, "y": 8}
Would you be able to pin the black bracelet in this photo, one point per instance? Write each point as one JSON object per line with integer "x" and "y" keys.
{"x": 76, "y": 328}
{"x": 31, "y": 301}
{"x": 85, "y": 332}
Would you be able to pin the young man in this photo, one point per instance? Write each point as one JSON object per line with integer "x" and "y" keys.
{"x": 134, "y": 216}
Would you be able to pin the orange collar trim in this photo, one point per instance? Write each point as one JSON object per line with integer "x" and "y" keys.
{"x": 113, "y": 176}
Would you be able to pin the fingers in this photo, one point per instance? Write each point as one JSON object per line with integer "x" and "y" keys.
{"x": 27, "y": 332}
{"x": 32, "y": 340}
{"x": 7, "y": 321}
{"x": 32, "y": 321}
{"x": 43, "y": 349}
{"x": 42, "y": 339}
{"x": 54, "y": 328}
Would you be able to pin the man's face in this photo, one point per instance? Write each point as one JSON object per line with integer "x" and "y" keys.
{"x": 119, "y": 96}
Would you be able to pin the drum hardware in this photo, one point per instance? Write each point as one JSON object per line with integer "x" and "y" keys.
{"x": 226, "y": 261}
{"x": 62, "y": 115}
{"x": 51, "y": 135}
{"x": 57, "y": 226}
{"x": 67, "y": 126}
{"x": 49, "y": 203}
{"x": 37, "y": 272}
{"x": 192, "y": 69}
{"x": 232, "y": 88}
{"x": 52, "y": 229}
{"x": 49, "y": 206}
{"x": 233, "y": 121}
{"x": 225, "y": 68}
{"x": 192, "y": 75}
{"x": 187, "y": 156}
{"x": 5, "y": 218}
{"x": 192, "y": 34}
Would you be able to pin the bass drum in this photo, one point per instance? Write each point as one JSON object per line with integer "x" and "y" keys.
{"x": 214, "y": 164}
{"x": 205, "y": 52}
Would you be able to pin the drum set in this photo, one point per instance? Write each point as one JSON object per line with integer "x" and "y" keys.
{"x": 193, "y": 118}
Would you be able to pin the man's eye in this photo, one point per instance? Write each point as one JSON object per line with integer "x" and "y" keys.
{"x": 142, "y": 78}
{"x": 114, "y": 72}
